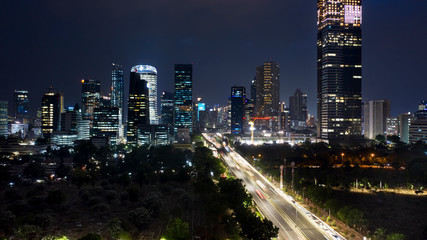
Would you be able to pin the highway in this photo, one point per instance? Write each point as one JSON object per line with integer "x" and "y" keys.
{"x": 293, "y": 221}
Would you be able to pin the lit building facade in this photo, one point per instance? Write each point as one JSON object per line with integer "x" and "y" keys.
{"x": 69, "y": 118}
{"x": 83, "y": 129}
{"x": 339, "y": 69}
{"x": 237, "y": 99}
{"x": 298, "y": 109}
{"x": 149, "y": 74}
{"x": 106, "y": 123}
{"x": 3, "y": 118}
{"x": 375, "y": 117}
{"x": 267, "y": 90}
{"x": 52, "y": 107}
{"x": 418, "y": 128}
{"x": 153, "y": 135}
{"x": 91, "y": 97}
{"x": 138, "y": 106}
{"x": 117, "y": 94}
{"x": 166, "y": 107}
{"x": 404, "y": 120}
{"x": 183, "y": 99}
{"x": 22, "y": 106}
{"x": 392, "y": 126}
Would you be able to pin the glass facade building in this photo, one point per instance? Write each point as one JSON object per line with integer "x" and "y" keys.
{"x": 117, "y": 94}
{"x": 149, "y": 74}
{"x": 138, "y": 106}
{"x": 183, "y": 97}
{"x": 106, "y": 123}
{"x": 339, "y": 69}
{"x": 22, "y": 105}
{"x": 237, "y": 99}
{"x": 3, "y": 118}
{"x": 166, "y": 106}
{"x": 267, "y": 90}
{"x": 52, "y": 107}
{"x": 91, "y": 97}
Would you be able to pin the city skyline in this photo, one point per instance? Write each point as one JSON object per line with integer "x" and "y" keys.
{"x": 293, "y": 49}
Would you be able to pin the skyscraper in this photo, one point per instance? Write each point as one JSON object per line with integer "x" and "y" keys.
{"x": 375, "y": 117}
{"x": 117, "y": 94}
{"x": 138, "y": 105}
{"x": 3, "y": 118}
{"x": 149, "y": 74}
{"x": 166, "y": 103}
{"x": 267, "y": 83}
{"x": 183, "y": 98}
{"x": 339, "y": 68}
{"x": 91, "y": 98}
{"x": 52, "y": 107}
{"x": 237, "y": 99}
{"x": 298, "y": 109}
{"x": 106, "y": 123}
{"x": 22, "y": 106}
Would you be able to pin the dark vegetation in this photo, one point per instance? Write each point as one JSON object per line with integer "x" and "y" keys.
{"x": 101, "y": 193}
{"x": 360, "y": 185}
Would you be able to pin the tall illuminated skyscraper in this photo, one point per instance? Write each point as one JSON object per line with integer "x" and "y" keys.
{"x": 117, "y": 95}
{"x": 22, "y": 105}
{"x": 237, "y": 99}
{"x": 52, "y": 107}
{"x": 149, "y": 74}
{"x": 3, "y": 119}
{"x": 117, "y": 90}
{"x": 91, "y": 98}
{"x": 267, "y": 90}
{"x": 138, "y": 105}
{"x": 339, "y": 69}
{"x": 183, "y": 97}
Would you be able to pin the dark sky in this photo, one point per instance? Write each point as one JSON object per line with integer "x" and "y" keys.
{"x": 58, "y": 42}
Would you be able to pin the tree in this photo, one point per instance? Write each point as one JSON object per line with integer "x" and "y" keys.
{"x": 395, "y": 236}
{"x": 177, "y": 230}
{"x": 234, "y": 192}
{"x": 333, "y": 204}
{"x": 380, "y": 138}
{"x": 91, "y": 236}
{"x": 140, "y": 217}
{"x": 56, "y": 197}
{"x": 380, "y": 234}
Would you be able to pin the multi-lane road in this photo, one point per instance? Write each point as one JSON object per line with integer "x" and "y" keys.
{"x": 293, "y": 221}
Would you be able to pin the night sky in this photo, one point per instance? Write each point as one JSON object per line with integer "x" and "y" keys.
{"x": 58, "y": 42}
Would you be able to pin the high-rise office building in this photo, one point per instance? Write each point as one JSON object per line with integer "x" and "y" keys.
{"x": 91, "y": 98}
{"x": 404, "y": 120}
{"x": 375, "y": 117}
{"x": 418, "y": 128}
{"x": 69, "y": 119}
{"x": 117, "y": 89}
{"x": 392, "y": 126}
{"x": 52, "y": 107}
{"x": 298, "y": 109}
{"x": 267, "y": 81}
{"x": 3, "y": 118}
{"x": 106, "y": 123}
{"x": 183, "y": 101}
{"x": 166, "y": 107}
{"x": 237, "y": 99}
{"x": 149, "y": 74}
{"x": 138, "y": 105}
{"x": 117, "y": 94}
{"x": 22, "y": 106}
{"x": 253, "y": 90}
{"x": 339, "y": 69}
